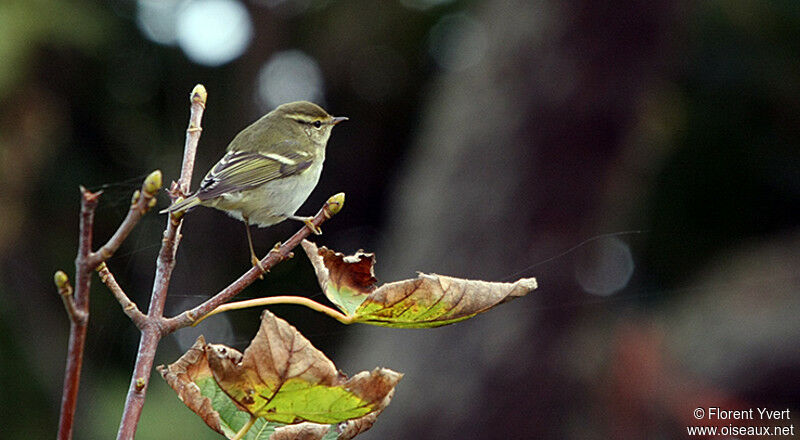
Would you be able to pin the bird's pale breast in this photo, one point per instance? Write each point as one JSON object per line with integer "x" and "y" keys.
{"x": 271, "y": 202}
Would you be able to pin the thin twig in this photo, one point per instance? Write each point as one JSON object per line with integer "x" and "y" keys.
{"x": 275, "y": 256}
{"x": 79, "y": 318}
{"x": 198, "y": 98}
{"x": 151, "y": 331}
{"x": 77, "y": 305}
{"x": 128, "y": 306}
{"x": 275, "y": 300}
{"x": 142, "y": 201}
{"x": 65, "y": 291}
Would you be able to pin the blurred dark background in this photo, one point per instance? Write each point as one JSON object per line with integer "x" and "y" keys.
{"x": 485, "y": 137}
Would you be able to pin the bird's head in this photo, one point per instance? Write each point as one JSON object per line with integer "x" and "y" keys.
{"x": 307, "y": 118}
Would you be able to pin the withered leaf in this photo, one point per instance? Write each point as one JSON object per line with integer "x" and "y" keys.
{"x": 283, "y": 378}
{"x": 302, "y": 383}
{"x": 304, "y": 431}
{"x": 191, "y": 378}
{"x": 429, "y": 300}
{"x": 346, "y": 280}
{"x": 181, "y": 376}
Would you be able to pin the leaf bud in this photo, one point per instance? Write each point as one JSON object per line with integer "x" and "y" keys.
{"x": 152, "y": 183}
{"x": 61, "y": 279}
{"x": 335, "y": 203}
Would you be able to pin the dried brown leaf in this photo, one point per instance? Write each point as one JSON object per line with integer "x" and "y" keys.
{"x": 283, "y": 378}
{"x": 430, "y": 300}
{"x": 182, "y": 375}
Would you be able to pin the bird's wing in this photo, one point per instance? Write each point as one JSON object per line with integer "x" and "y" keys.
{"x": 239, "y": 170}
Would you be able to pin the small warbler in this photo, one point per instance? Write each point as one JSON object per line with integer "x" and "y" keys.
{"x": 269, "y": 170}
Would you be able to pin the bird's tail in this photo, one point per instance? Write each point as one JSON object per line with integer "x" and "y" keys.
{"x": 183, "y": 205}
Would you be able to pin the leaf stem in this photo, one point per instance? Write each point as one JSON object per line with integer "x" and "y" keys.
{"x": 274, "y": 300}
{"x": 242, "y": 432}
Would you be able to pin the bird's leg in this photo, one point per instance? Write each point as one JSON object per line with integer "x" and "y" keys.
{"x": 308, "y": 221}
{"x": 253, "y": 259}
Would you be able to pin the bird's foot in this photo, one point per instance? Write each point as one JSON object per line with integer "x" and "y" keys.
{"x": 309, "y": 221}
{"x": 314, "y": 228}
{"x": 257, "y": 263}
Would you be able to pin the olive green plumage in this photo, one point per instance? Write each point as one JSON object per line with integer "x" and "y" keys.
{"x": 270, "y": 167}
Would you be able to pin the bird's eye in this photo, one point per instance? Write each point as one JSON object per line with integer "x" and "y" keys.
{"x": 317, "y": 124}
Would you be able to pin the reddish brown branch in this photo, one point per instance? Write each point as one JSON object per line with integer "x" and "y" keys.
{"x": 77, "y": 304}
{"x": 79, "y": 318}
{"x": 128, "y": 306}
{"x": 151, "y": 333}
{"x": 140, "y": 379}
{"x": 187, "y": 318}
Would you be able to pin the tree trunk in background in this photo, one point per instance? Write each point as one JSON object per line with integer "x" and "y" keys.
{"x": 509, "y": 168}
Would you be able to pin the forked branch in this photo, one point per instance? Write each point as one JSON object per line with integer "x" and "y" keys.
{"x": 151, "y": 333}
{"x": 189, "y": 317}
{"x": 77, "y": 306}
{"x": 152, "y": 325}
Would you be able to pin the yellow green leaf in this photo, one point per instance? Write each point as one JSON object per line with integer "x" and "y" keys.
{"x": 192, "y": 379}
{"x": 283, "y": 378}
{"x": 429, "y": 300}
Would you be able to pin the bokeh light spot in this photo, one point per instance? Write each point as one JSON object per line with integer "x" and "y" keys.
{"x": 608, "y": 269}
{"x": 156, "y": 19}
{"x": 214, "y": 32}
{"x": 458, "y": 42}
{"x": 289, "y": 76}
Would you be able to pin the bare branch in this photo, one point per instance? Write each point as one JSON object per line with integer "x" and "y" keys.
{"x": 198, "y": 98}
{"x": 151, "y": 333}
{"x": 77, "y": 306}
{"x": 128, "y": 306}
{"x": 79, "y": 317}
{"x": 187, "y": 318}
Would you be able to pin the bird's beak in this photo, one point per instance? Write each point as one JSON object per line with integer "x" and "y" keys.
{"x": 338, "y": 119}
